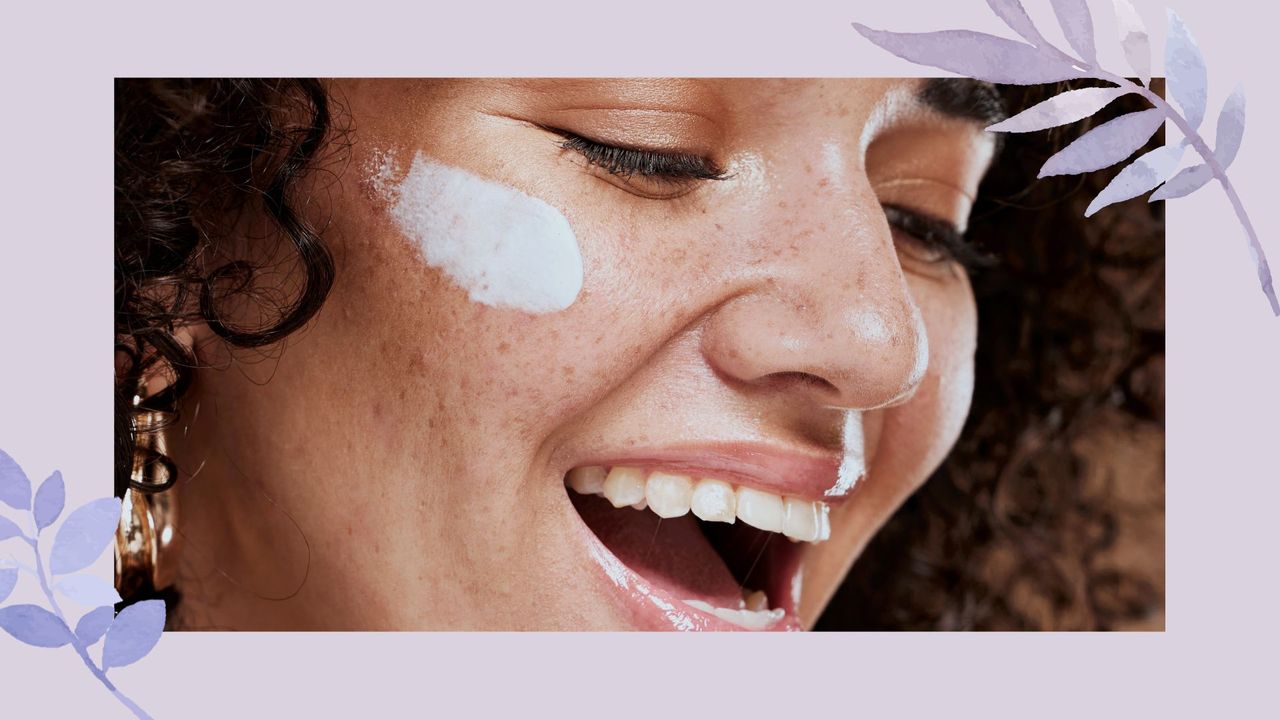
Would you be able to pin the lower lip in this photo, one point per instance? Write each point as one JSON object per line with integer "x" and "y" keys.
{"x": 653, "y": 608}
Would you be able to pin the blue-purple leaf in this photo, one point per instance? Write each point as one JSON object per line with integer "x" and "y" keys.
{"x": 8, "y": 579}
{"x": 1105, "y": 145}
{"x": 973, "y": 54}
{"x": 1141, "y": 175}
{"x": 50, "y": 499}
{"x": 1134, "y": 40}
{"x": 1184, "y": 69}
{"x": 1187, "y": 181}
{"x": 1063, "y": 108}
{"x": 136, "y": 630}
{"x": 1230, "y": 128}
{"x": 9, "y": 528}
{"x": 94, "y": 624}
{"x": 1077, "y": 27}
{"x": 34, "y": 625}
{"x": 84, "y": 535}
{"x": 1015, "y": 16}
{"x": 15, "y": 488}
{"x": 87, "y": 589}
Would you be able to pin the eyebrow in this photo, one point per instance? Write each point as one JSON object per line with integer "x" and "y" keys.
{"x": 964, "y": 98}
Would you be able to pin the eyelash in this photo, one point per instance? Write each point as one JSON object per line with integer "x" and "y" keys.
{"x": 626, "y": 162}
{"x": 932, "y": 234}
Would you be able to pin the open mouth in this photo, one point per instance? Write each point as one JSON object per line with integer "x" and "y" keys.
{"x": 701, "y": 552}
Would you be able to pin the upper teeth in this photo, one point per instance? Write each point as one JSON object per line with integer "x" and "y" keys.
{"x": 670, "y": 495}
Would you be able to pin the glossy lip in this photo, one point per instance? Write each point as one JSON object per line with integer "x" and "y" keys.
{"x": 763, "y": 467}
{"x": 768, "y": 468}
{"x": 652, "y": 608}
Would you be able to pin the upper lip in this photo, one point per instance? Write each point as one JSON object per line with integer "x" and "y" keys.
{"x": 778, "y": 470}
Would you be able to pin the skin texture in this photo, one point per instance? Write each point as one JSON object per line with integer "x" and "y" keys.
{"x": 400, "y": 464}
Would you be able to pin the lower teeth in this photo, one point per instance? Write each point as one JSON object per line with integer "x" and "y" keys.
{"x": 745, "y": 618}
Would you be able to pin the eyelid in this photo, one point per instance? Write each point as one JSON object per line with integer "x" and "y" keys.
{"x": 629, "y": 161}
{"x": 938, "y": 235}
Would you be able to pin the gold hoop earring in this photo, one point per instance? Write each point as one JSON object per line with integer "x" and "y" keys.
{"x": 147, "y": 539}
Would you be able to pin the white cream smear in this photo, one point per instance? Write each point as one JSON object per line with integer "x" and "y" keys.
{"x": 853, "y": 465}
{"x": 505, "y": 248}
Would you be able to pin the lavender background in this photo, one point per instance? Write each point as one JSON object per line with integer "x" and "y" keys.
{"x": 55, "y": 379}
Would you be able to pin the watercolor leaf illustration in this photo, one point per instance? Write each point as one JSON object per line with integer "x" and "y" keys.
{"x": 136, "y": 630}
{"x": 1109, "y": 143}
{"x": 1034, "y": 60}
{"x": 34, "y": 625}
{"x": 15, "y": 488}
{"x": 9, "y": 529}
{"x": 50, "y": 499}
{"x": 82, "y": 537}
{"x": 86, "y": 589}
{"x": 8, "y": 579}
{"x": 94, "y": 624}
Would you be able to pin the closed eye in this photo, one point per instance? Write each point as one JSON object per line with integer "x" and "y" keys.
{"x": 932, "y": 240}
{"x": 651, "y": 174}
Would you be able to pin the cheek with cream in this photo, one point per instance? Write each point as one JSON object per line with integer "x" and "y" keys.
{"x": 504, "y": 247}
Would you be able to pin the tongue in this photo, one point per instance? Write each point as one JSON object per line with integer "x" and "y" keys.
{"x": 671, "y": 554}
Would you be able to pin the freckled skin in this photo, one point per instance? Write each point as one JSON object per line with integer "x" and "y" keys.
{"x": 437, "y": 430}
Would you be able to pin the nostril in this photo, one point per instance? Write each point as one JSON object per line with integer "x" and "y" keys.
{"x": 795, "y": 380}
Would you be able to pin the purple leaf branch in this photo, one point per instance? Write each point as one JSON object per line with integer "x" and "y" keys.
{"x": 81, "y": 539}
{"x": 81, "y": 649}
{"x": 1001, "y": 60}
{"x": 1192, "y": 137}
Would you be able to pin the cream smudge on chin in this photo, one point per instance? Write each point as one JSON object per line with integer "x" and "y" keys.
{"x": 504, "y": 247}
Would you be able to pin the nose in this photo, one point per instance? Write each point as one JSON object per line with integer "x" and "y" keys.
{"x": 830, "y": 317}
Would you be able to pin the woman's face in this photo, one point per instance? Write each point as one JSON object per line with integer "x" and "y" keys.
{"x": 752, "y": 336}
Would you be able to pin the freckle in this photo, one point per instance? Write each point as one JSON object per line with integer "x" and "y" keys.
{"x": 823, "y": 182}
{"x": 599, "y": 339}
{"x": 503, "y": 347}
{"x": 808, "y": 169}
{"x": 567, "y": 370}
{"x": 377, "y": 410}
{"x": 348, "y": 530}
{"x": 862, "y": 282}
{"x": 782, "y": 204}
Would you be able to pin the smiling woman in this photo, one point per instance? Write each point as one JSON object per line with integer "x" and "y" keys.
{"x": 577, "y": 355}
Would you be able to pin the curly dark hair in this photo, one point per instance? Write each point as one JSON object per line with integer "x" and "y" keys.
{"x": 1017, "y": 530}
{"x": 192, "y": 156}
{"x": 1049, "y": 512}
